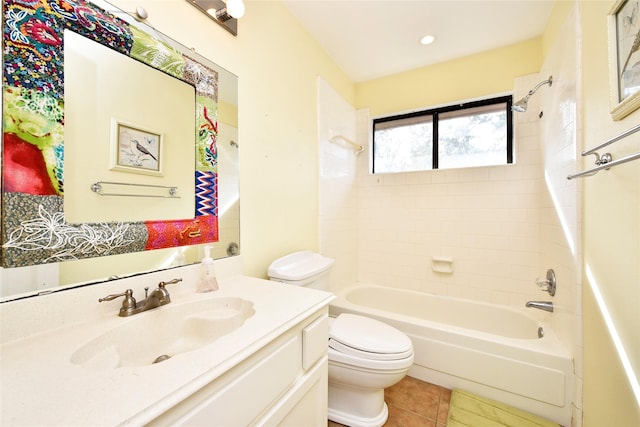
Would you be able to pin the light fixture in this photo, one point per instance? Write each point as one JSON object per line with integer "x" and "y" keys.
{"x": 141, "y": 14}
{"x": 224, "y": 12}
{"x": 219, "y": 15}
{"x": 427, "y": 40}
{"x": 235, "y": 8}
{"x": 521, "y": 105}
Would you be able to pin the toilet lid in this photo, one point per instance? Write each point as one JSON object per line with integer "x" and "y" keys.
{"x": 368, "y": 338}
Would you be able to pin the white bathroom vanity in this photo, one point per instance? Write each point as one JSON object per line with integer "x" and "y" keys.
{"x": 252, "y": 353}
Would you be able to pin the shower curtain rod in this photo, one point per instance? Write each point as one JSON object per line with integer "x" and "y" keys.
{"x": 606, "y": 160}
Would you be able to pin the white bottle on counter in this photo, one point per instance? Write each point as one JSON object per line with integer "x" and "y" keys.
{"x": 208, "y": 281}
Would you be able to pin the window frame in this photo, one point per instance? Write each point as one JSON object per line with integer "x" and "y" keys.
{"x": 434, "y": 113}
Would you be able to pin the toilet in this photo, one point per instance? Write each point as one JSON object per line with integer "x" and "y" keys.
{"x": 365, "y": 355}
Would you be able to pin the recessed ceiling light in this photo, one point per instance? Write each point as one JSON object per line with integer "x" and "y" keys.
{"x": 426, "y": 40}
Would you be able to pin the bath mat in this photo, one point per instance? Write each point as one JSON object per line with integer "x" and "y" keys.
{"x": 468, "y": 410}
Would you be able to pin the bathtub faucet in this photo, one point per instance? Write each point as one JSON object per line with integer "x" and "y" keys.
{"x": 542, "y": 305}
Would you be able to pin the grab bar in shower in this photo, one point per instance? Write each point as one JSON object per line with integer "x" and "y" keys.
{"x": 336, "y": 139}
{"x": 605, "y": 161}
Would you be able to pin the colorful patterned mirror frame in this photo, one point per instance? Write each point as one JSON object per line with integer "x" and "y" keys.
{"x": 34, "y": 230}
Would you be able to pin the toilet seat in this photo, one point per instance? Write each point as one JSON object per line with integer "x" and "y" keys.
{"x": 367, "y": 338}
{"x": 337, "y": 358}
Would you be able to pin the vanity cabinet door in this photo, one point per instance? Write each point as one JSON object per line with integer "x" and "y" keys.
{"x": 242, "y": 393}
{"x": 305, "y": 404}
{"x": 270, "y": 388}
{"x": 239, "y": 402}
{"x": 315, "y": 337}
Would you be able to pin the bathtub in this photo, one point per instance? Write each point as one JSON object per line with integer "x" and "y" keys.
{"x": 491, "y": 350}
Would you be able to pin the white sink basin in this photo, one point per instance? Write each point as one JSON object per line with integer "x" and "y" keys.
{"x": 164, "y": 332}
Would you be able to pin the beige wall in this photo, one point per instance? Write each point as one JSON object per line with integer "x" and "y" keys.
{"x": 277, "y": 63}
{"x": 474, "y": 76}
{"x": 611, "y": 239}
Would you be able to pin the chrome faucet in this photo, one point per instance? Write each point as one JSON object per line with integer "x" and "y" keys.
{"x": 542, "y": 305}
{"x": 158, "y": 297}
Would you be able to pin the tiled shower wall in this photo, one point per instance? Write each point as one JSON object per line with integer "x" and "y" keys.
{"x": 338, "y": 190}
{"x": 387, "y": 229}
{"x": 560, "y": 207}
{"x": 486, "y": 220}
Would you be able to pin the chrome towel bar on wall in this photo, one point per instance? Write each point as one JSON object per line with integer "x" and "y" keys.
{"x": 605, "y": 161}
{"x": 172, "y": 192}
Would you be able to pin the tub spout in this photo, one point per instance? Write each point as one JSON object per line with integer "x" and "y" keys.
{"x": 542, "y": 305}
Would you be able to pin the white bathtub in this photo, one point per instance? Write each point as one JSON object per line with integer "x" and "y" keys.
{"x": 491, "y": 350}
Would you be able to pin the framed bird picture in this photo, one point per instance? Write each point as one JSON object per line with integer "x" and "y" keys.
{"x": 624, "y": 58}
{"x": 135, "y": 149}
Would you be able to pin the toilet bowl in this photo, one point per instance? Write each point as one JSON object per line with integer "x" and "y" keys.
{"x": 365, "y": 355}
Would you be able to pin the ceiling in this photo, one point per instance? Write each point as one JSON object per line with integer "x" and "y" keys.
{"x": 369, "y": 39}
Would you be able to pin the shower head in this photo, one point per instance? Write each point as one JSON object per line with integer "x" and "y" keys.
{"x": 520, "y": 106}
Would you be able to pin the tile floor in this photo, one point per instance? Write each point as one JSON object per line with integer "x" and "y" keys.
{"x": 415, "y": 403}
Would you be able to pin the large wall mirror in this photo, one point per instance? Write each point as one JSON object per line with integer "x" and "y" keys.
{"x": 173, "y": 154}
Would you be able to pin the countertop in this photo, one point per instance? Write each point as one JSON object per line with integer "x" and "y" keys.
{"x": 40, "y": 386}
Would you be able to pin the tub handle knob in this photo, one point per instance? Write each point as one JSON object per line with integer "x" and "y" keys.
{"x": 548, "y": 284}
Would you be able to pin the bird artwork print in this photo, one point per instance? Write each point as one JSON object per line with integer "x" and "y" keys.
{"x": 138, "y": 149}
{"x": 143, "y": 150}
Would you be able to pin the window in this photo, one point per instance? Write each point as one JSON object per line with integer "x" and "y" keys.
{"x": 478, "y": 133}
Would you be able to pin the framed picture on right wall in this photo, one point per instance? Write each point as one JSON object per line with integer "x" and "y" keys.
{"x": 624, "y": 57}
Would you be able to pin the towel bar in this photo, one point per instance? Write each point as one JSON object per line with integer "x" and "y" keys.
{"x": 96, "y": 187}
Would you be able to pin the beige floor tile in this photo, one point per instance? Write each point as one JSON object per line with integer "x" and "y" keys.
{"x": 416, "y": 396}
{"x": 402, "y": 418}
{"x": 415, "y": 403}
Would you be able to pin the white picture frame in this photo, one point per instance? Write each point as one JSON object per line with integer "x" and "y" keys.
{"x": 135, "y": 149}
{"x": 624, "y": 57}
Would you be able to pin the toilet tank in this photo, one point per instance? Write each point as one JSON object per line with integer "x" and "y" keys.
{"x": 304, "y": 268}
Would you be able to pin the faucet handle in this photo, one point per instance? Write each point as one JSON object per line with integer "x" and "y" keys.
{"x": 129, "y": 302}
{"x": 161, "y": 285}
{"x": 548, "y": 284}
{"x": 163, "y": 292}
